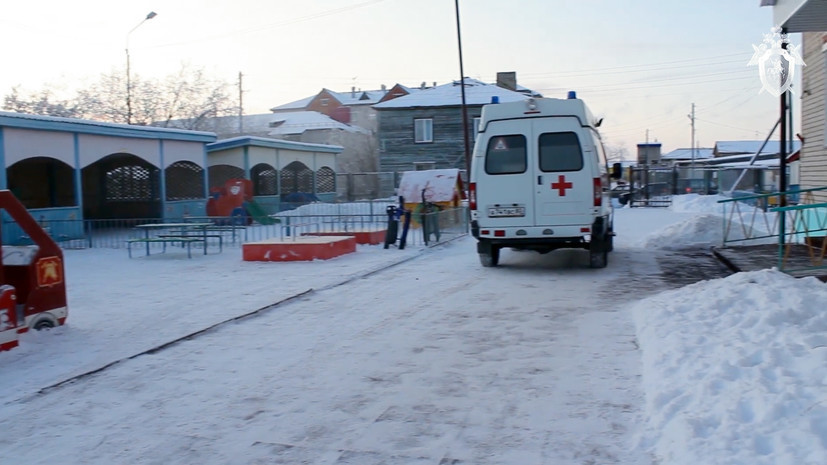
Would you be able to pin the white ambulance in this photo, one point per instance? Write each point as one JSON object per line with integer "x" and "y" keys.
{"x": 540, "y": 181}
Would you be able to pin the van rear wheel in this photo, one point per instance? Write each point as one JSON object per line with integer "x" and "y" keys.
{"x": 598, "y": 254}
{"x": 491, "y": 258}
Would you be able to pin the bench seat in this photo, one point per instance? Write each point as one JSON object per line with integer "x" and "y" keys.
{"x": 164, "y": 240}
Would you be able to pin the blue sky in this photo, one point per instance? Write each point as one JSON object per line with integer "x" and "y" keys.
{"x": 640, "y": 64}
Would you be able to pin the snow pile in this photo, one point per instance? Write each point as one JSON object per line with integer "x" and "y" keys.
{"x": 706, "y": 221}
{"x": 697, "y": 203}
{"x": 734, "y": 371}
{"x": 698, "y": 231}
{"x": 370, "y": 213}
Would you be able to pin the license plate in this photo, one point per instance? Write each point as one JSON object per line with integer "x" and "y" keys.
{"x": 494, "y": 212}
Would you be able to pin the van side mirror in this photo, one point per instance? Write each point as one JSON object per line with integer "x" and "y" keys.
{"x": 617, "y": 170}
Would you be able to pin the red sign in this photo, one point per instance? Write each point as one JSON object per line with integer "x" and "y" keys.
{"x": 561, "y": 185}
{"x": 49, "y": 271}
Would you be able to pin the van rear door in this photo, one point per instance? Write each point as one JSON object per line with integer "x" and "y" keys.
{"x": 563, "y": 181}
{"x": 505, "y": 187}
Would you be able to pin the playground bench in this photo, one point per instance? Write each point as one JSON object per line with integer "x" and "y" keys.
{"x": 199, "y": 234}
{"x": 164, "y": 240}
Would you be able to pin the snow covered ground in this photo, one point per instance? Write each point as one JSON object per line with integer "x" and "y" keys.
{"x": 423, "y": 357}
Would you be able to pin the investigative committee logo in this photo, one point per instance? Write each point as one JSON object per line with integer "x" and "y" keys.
{"x": 776, "y": 65}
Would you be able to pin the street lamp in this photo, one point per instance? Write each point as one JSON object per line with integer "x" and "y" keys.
{"x": 149, "y": 16}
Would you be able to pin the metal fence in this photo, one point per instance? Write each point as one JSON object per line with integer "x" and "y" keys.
{"x": 796, "y": 229}
{"x": 309, "y": 219}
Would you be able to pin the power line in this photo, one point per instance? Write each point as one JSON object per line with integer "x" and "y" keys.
{"x": 657, "y": 64}
{"x": 626, "y": 88}
{"x": 272, "y": 25}
{"x": 578, "y": 73}
{"x": 727, "y": 126}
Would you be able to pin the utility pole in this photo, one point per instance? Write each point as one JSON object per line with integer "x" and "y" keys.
{"x": 467, "y": 143}
{"x": 646, "y": 149}
{"x": 692, "y": 120}
{"x": 240, "y": 105}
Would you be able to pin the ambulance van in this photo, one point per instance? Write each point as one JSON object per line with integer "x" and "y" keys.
{"x": 540, "y": 181}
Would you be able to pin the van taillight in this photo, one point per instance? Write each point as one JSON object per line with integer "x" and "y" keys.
{"x": 472, "y": 195}
{"x": 598, "y": 192}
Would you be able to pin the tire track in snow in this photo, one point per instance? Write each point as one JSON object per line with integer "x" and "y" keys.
{"x": 213, "y": 327}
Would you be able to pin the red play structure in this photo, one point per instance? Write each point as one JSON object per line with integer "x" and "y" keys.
{"x": 235, "y": 201}
{"x": 32, "y": 280}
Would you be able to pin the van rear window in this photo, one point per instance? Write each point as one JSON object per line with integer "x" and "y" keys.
{"x": 506, "y": 155}
{"x": 560, "y": 151}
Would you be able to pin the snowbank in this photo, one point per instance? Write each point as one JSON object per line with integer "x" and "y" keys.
{"x": 734, "y": 371}
{"x": 705, "y": 222}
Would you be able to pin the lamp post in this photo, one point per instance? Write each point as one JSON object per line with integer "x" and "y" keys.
{"x": 149, "y": 16}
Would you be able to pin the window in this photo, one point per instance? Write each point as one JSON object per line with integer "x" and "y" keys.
{"x": 325, "y": 180}
{"x": 506, "y": 155}
{"x": 560, "y": 151}
{"x": 324, "y": 101}
{"x": 423, "y": 130}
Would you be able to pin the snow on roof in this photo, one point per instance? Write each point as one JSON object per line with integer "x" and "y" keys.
{"x": 297, "y": 122}
{"x": 55, "y": 123}
{"x": 439, "y": 185}
{"x": 476, "y": 93}
{"x": 732, "y": 147}
{"x": 225, "y": 124}
{"x": 297, "y": 105}
{"x": 757, "y": 164}
{"x": 359, "y": 97}
{"x": 241, "y": 141}
{"x": 686, "y": 154}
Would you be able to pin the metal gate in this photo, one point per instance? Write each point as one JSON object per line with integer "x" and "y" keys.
{"x": 652, "y": 187}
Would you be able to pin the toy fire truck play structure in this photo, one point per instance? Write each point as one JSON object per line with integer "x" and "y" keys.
{"x": 32, "y": 284}
{"x": 234, "y": 202}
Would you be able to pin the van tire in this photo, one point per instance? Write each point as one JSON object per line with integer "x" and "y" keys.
{"x": 490, "y": 259}
{"x": 610, "y": 242}
{"x": 598, "y": 254}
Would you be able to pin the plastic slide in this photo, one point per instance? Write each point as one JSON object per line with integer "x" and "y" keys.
{"x": 257, "y": 213}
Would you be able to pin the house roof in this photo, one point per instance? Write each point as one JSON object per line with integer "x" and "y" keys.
{"x": 733, "y": 147}
{"x": 764, "y": 160}
{"x": 359, "y": 97}
{"x": 236, "y": 142}
{"x": 686, "y": 154}
{"x": 83, "y": 126}
{"x": 354, "y": 97}
{"x": 450, "y": 94}
{"x": 440, "y": 185}
{"x": 297, "y": 122}
{"x": 296, "y": 105}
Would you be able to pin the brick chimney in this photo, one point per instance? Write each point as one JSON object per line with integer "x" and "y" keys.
{"x": 507, "y": 80}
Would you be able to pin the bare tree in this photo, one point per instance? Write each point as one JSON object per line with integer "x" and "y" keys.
{"x": 40, "y": 103}
{"x": 184, "y": 100}
{"x": 616, "y": 153}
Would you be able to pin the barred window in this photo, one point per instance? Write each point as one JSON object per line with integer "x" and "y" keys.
{"x": 220, "y": 174}
{"x": 184, "y": 180}
{"x": 129, "y": 182}
{"x": 296, "y": 177}
{"x": 264, "y": 179}
{"x": 325, "y": 180}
